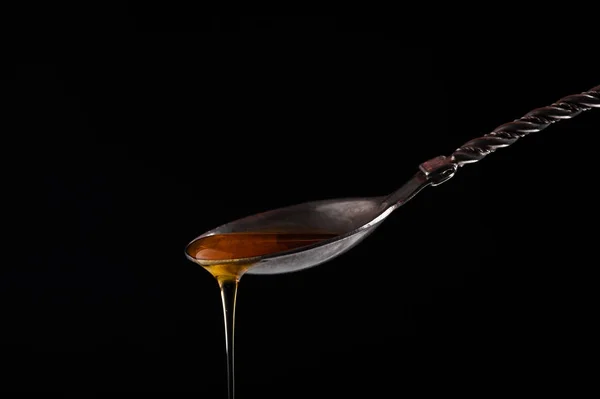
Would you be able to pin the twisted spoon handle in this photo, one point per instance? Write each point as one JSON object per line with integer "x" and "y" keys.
{"x": 440, "y": 169}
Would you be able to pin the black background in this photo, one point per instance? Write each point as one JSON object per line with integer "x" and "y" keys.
{"x": 124, "y": 144}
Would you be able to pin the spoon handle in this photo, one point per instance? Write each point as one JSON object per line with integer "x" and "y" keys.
{"x": 441, "y": 169}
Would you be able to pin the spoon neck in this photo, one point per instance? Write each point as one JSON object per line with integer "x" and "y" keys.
{"x": 405, "y": 193}
{"x": 433, "y": 172}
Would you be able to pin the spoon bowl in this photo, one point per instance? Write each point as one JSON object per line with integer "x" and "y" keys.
{"x": 349, "y": 220}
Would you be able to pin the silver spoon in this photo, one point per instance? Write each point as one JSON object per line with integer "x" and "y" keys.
{"x": 353, "y": 219}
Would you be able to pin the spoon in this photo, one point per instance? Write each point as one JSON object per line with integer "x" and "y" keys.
{"x": 353, "y": 219}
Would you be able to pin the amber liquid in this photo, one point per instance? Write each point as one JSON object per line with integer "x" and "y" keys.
{"x": 228, "y": 256}
{"x": 234, "y": 248}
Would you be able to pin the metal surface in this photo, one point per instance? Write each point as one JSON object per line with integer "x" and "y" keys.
{"x": 505, "y": 135}
{"x": 354, "y": 219}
